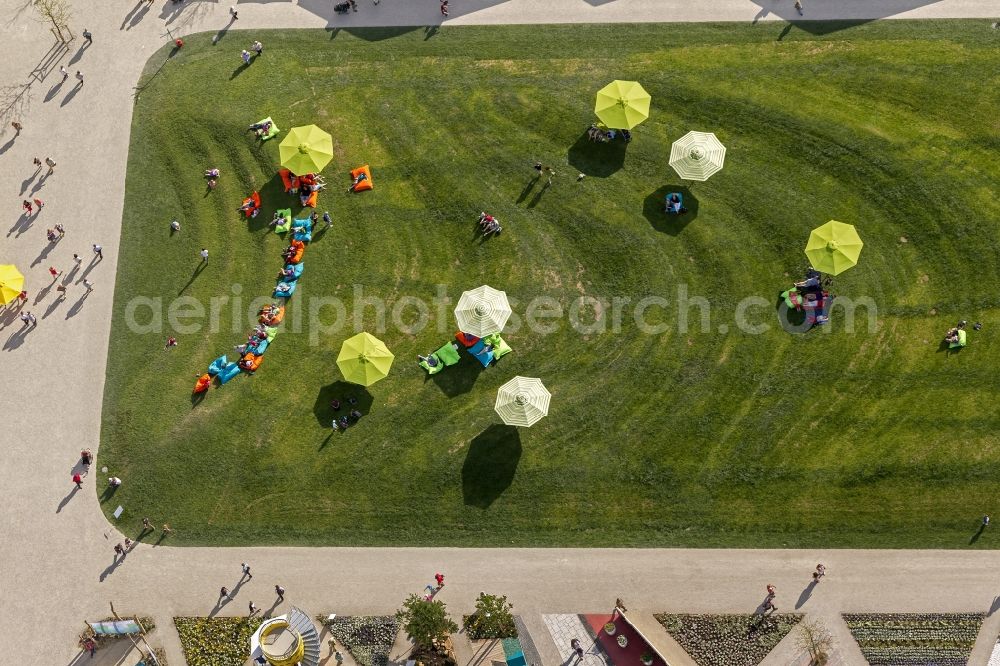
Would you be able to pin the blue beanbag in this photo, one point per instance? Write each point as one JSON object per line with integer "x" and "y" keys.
{"x": 228, "y": 372}
{"x": 479, "y": 351}
{"x": 260, "y": 347}
{"x": 296, "y": 271}
{"x": 285, "y": 294}
{"x": 306, "y": 234}
{"x": 216, "y": 366}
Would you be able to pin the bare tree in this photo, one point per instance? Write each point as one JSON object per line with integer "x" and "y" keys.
{"x": 14, "y": 103}
{"x": 57, "y": 13}
{"x": 814, "y": 638}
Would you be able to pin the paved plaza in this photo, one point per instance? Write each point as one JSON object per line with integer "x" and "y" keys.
{"x": 55, "y": 542}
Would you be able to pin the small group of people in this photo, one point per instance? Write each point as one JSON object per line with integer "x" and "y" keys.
{"x": 489, "y": 224}
{"x": 308, "y": 184}
{"x": 55, "y": 234}
{"x": 954, "y": 334}
{"x": 601, "y": 134}
{"x": 347, "y": 420}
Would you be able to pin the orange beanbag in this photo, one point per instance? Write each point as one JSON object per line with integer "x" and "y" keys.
{"x": 466, "y": 339}
{"x": 365, "y": 184}
{"x": 273, "y": 320}
{"x": 251, "y": 361}
{"x": 311, "y": 201}
{"x": 286, "y": 178}
{"x": 202, "y": 384}
{"x": 297, "y": 244}
{"x": 297, "y": 257}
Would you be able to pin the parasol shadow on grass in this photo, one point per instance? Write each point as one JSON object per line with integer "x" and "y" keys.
{"x": 341, "y": 390}
{"x": 458, "y": 379}
{"x": 654, "y": 210}
{"x": 490, "y": 465}
{"x": 598, "y": 160}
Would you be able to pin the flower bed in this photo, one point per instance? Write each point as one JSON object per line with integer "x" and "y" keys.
{"x": 893, "y": 639}
{"x": 728, "y": 640}
{"x": 216, "y": 641}
{"x": 368, "y": 637}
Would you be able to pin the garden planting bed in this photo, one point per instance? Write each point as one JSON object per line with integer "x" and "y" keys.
{"x": 896, "y": 639}
{"x": 728, "y": 640}
{"x": 216, "y": 641}
{"x": 368, "y": 637}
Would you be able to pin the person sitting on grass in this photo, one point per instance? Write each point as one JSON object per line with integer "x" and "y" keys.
{"x": 674, "y": 206}
{"x": 211, "y": 173}
{"x": 952, "y": 336}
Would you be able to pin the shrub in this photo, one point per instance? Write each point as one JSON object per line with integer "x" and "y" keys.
{"x": 426, "y": 621}
{"x": 728, "y": 640}
{"x": 492, "y": 618}
{"x": 897, "y": 639}
{"x": 369, "y": 638}
{"x": 216, "y": 641}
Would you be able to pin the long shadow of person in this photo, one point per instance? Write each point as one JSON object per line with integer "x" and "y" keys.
{"x": 65, "y": 500}
{"x": 806, "y": 593}
{"x": 979, "y": 533}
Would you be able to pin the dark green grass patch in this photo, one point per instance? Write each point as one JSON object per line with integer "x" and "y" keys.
{"x": 701, "y": 434}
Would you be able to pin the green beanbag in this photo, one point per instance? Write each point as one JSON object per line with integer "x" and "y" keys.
{"x": 500, "y": 347}
{"x": 447, "y": 354}
{"x": 432, "y": 370}
{"x": 271, "y": 332}
{"x": 286, "y": 214}
{"x": 273, "y": 132}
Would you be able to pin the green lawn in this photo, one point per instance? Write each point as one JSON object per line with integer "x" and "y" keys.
{"x": 872, "y": 438}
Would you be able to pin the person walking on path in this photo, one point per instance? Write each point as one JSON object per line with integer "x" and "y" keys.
{"x": 51, "y": 164}
{"x": 32, "y": 319}
{"x": 90, "y": 646}
{"x": 253, "y": 609}
{"x": 280, "y": 591}
{"x": 119, "y": 551}
{"x": 798, "y": 6}
{"x": 577, "y": 648}
{"x": 204, "y": 255}
{"x": 770, "y": 592}
{"x": 820, "y": 572}
{"x": 87, "y": 35}
{"x": 77, "y": 259}
{"x": 39, "y": 203}
{"x": 24, "y": 318}
{"x": 224, "y": 593}
{"x": 64, "y": 72}
{"x": 78, "y": 480}
{"x": 339, "y": 658}
{"x": 17, "y": 128}
{"x": 232, "y": 12}
{"x": 128, "y": 544}
{"x": 26, "y": 205}
{"x": 37, "y": 162}
{"x": 439, "y": 579}
{"x": 444, "y": 7}
{"x": 88, "y": 284}
{"x": 246, "y": 571}
{"x": 79, "y": 78}
{"x": 61, "y": 289}
{"x": 54, "y": 273}
{"x": 61, "y": 230}
{"x": 99, "y": 251}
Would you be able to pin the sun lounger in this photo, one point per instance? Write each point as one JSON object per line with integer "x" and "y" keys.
{"x": 286, "y": 215}
{"x": 216, "y": 366}
{"x": 228, "y": 372}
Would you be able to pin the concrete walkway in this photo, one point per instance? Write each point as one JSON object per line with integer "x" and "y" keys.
{"x": 54, "y": 542}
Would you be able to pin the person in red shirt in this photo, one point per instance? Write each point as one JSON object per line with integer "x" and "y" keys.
{"x": 78, "y": 480}
{"x": 439, "y": 578}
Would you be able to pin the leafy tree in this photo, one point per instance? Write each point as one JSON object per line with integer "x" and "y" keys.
{"x": 426, "y": 622}
{"x": 492, "y": 618}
